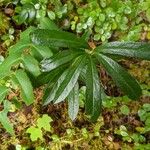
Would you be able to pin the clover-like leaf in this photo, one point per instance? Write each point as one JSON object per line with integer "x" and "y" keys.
{"x": 28, "y": 12}
{"x": 44, "y": 122}
{"x": 35, "y": 133}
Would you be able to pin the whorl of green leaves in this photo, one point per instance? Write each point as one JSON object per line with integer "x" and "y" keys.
{"x": 81, "y": 64}
{"x": 62, "y": 61}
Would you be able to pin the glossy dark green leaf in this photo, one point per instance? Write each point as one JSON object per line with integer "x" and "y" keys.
{"x": 58, "y": 60}
{"x": 25, "y": 86}
{"x": 46, "y": 77}
{"x": 55, "y": 38}
{"x": 83, "y": 76}
{"x": 93, "y": 91}
{"x": 66, "y": 82}
{"x": 3, "y": 92}
{"x": 31, "y": 65}
{"x": 51, "y": 82}
{"x": 139, "y": 50}
{"x": 73, "y": 102}
{"x": 123, "y": 80}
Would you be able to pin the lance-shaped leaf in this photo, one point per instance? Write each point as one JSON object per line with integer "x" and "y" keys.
{"x": 51, "y": 78}
{"x": 3, "y": 92}
{"x": 57, "y": 39}
{"x": 49, "y": 86}
{"x": 93, "y": 91}
{"x": 67, "y": 81}
{"x": 83, "y": 77}
{"x": 26, "y": 87}
{"x": 120, "y": 76}
{"x": 58, "y": 60}
{"x": 31, "y": 65}
{"x": 8, "y": 63}
{"x": 86, "y": 35}
{"x": 73, "y": 102}
{"x": 4, "y": 119}
{"x": 46, "y": 77}
{"x": 40, "y": 52}
{"x": 19, "y": 47}
{"x": 24, "y": 36}
{"x": 24, "y": 42}
{"x": 46, "y": 23}
{"x": 139, "y": 50}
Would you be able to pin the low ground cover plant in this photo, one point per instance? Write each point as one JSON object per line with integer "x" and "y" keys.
{"x": 81, "y": 63}
{"x": 63, "y": 61}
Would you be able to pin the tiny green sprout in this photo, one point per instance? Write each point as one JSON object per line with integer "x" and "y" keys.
{"x": 125, "y": 110}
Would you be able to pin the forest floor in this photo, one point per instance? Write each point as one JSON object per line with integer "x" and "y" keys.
{"x": 119, "y": 127}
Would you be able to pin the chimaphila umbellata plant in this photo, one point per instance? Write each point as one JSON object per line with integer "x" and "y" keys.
{"x": 76, "y": 61}
{"x": 66, "y": 61}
